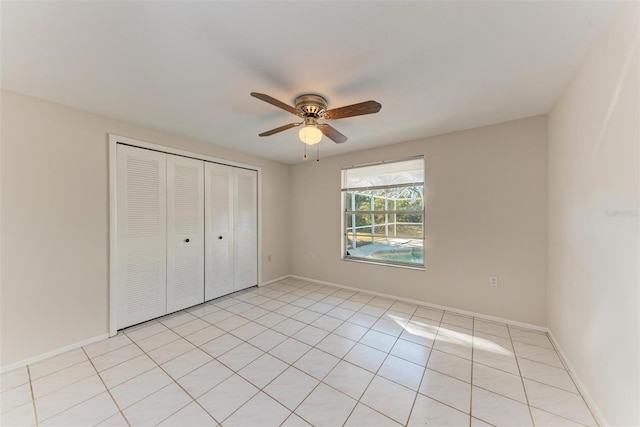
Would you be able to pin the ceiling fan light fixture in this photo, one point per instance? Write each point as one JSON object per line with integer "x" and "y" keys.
{"x": 312, "y": 107}
{"x": 310, "y": 134}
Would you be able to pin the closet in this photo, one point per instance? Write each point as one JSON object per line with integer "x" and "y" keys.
{"x": 186, "y": 232}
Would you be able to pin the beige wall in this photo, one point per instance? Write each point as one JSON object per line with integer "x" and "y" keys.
{"x": 593, "y": 298}
{"x": 485, "y": 215}
{"x": 55, "y": 235}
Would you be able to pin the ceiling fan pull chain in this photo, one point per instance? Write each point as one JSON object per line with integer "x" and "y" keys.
{"x": 317, "y": 152}
{"x": 305, "y": 157}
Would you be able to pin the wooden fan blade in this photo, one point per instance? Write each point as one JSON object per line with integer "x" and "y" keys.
{"x": 331, "y": 133}
{"x": 280, "y": 129}
{"x": 273, "y": 101}
{"x": 367, "y": 107}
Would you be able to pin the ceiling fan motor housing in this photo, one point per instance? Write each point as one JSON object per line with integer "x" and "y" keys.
{"x": 311, "y": 105}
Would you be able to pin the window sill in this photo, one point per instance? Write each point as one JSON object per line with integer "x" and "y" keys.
{"x": 386, "y": 264}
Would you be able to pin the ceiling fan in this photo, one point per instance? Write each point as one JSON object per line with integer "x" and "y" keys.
{"x": 312, "y": 107}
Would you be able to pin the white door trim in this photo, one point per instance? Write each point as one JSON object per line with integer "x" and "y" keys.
{"x": 118, "y": 139}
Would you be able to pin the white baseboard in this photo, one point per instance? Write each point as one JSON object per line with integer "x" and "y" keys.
{"x": 274, "y": 280}
{"x": 428, "y": 304}
{"x": 597, "y": 414}
{"x": 52, "y": 353}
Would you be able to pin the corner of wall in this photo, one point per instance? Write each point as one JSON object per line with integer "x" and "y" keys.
{"x": 593, "y": 297}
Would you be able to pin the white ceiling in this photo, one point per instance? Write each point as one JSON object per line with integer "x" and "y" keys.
{"x": 188, "y": 67}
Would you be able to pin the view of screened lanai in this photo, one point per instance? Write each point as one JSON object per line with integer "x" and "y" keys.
{"x": 383, "y": 206}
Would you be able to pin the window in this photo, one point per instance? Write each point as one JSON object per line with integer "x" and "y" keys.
{"x": 383, "y": 207}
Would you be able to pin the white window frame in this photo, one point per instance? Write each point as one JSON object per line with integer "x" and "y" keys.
{"x": 344, "y": 213}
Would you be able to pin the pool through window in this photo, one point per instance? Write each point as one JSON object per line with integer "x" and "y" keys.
{"x": 383, "y": 206}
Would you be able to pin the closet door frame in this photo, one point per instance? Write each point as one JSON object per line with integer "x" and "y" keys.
{"x": 113, "y": 141}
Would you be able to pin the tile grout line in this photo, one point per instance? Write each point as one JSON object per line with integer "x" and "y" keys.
{"x": 135, "y": 376}
{"x": 122, "y": 363}
{"x": 108, "y": 391}
{"x": 374, "y": 376}
{"x": 541, "y": 363}
{"x": 573, "y": 381}
{"x": 359, "y": 400}
{"x": 524, "y": 388}
{"x": 563, "y": 417}
{"x": 118, "y": 334}
{"x": 53, "y": 372}
{"x": 492, "y": 367}
{"x": 174, "y": 381}
{"x": 426, "y": 366}
{"x": 68, "y": 385}
{"x": 193, "y": 400}
{"x": 550, "y": 385}
{"x": 473, "y": 337}
{"x": 33, "y": 397}
{"x": 244, "y": 379}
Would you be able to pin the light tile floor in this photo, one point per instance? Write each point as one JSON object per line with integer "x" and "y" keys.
{"x": 297, "y": 353}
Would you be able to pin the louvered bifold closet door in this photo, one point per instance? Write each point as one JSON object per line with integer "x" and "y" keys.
{"x": 185, "y": 232}
{"x": 141, "y": 239}
{"x": 218, "y": 230}
{"x": 245, "y": 229}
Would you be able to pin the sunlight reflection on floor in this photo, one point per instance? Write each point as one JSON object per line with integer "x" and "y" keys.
{"x": 448, "y": 335}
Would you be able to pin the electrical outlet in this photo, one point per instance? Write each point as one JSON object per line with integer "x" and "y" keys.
{"x": 493, "y": 281}
{"x": 310, "y": 256}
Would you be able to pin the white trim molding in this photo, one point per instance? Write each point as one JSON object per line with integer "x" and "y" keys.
{"x": 268, "y": 282}
{"x": 48, "y": 354}
{"x": 595, "y": 411}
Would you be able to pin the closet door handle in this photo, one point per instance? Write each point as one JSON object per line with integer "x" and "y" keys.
{"x": 186, "y": 240}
